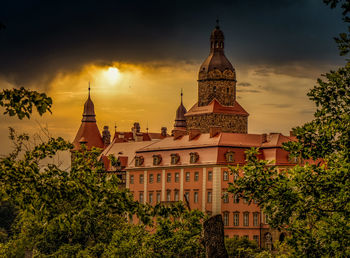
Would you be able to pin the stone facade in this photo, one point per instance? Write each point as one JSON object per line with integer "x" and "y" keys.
{"x": 230, "y": 123}
{"x": 216, "y": 84}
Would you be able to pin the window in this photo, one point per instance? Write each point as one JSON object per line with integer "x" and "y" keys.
{"x": 187, "y": 176}
{"x": 196, "y": 176}
{"x": 194, "y": 157}
{"x": 141, "y": 179}
{"x": 176, "y": 196}
{"x": 225, "y": 198}
{"x": 225, "y": 175}
{"x": 256, "y": 239}
{"x": 209, "y": 197}
{"x": 168, "y": 196}
{"x": 255, "y": 219}
{"x": 174, "y": 159}
{"x": 236, "y": 199}
{"x": 141, "y": 197}
{"x": 187, "y": 196}
{"x": 158, "y": 197}
{"x": 227, "y": 90}
{"x": 230, "y": 156}
{"x": 210, "y": 175}
{"x": 235, "y": 176}
{"x": 246, "y": 219}
{"x": 226, "y": 218}
{"x": 236, "y": 219}
{"x": 177, "y": 177}
{"x": 151, "y": 178}
{"x": 246, "y": 236}
{"x": 245, "y": 200}
{"x": 195, "y": 197}
{"x": 131, "y": 179}
{"x": 150, "y": 198}
{"x": 157, "y": 159}
{"x": 214, "y": 88}
{"x": 266, "y": 218}
{"x": 138, "y": 161}
{"x": 168, "y": 177}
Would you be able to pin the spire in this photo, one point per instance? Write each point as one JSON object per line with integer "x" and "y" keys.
{"x": 89, "y": 109}
{"x": 217, "y": 38}
{"x": 217, "y": 23}
{"x": 180, "y": 120}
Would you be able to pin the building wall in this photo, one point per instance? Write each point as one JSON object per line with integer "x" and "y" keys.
{"x": 230, "y": 123}
{"x": 221, "y": 89}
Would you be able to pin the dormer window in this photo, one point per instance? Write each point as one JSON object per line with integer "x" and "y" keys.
{"x": 194, "y": 157}
{"x": 157, "y": 159}
{"x": 230, "y": 156}
{"x": 138, "y": 161}
{"x": 175, "y": 158}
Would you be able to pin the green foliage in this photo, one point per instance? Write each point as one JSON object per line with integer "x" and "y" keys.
{"x": 241, "y": 247}
{"x": 20, "y": 102}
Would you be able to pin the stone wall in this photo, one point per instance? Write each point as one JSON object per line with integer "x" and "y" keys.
{"x": 230, "y": 123}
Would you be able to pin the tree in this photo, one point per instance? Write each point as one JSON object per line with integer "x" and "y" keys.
{"x": 311, "y": 200}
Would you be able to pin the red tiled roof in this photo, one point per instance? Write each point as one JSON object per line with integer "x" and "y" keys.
{"x": 91, "y": 135}
{"x": 217, "y": 108}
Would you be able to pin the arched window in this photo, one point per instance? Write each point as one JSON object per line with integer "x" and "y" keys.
{"x": 214, "y": 89}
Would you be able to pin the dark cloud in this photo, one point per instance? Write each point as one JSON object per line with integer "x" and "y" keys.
{"x": 279, "y": 105}
{"x": 245, "y": 84}
{"x": 44, "y": 37}
{"x": 249, "y": 91}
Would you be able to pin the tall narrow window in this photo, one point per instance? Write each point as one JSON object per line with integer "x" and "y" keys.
{"x": 131, "y": 179}
{"x": 187, "y": 196}
{"x": 210, "y": 175}
{"x": 209, "y": 197}
{"x": 141, "y": 197}
{"x": 141, "y": 179}
{"x": 255, "y": 219}
{"x": 176, "y": 196}
{"x": 150, "y": 198}
{"x": 168, "y": 196}
{"x": 256, "y": 239}
{"x": 177, "y": 177}
{"x": 225, "y": 176}
{"x": 151, "y": 178}
{"x": 226, "y": 218}
{"x": 196, "y": 197}
{"x": 225, "y": 198}
{"x": 158, "y": 178}
{"x": 246, "y": 219}
{"x": 196, "y": 176}
{"x": 236, "y": 219}
{"x": 187, "y": 176}
{"x": 168, "y": 177}
{"x": 236, "y": 199}
{"x": 158, "y": 197}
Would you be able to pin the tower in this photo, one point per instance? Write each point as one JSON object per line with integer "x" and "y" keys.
{"x": 180, "y": 120}
{"x": 88, "y": 132}
{"x": 217, "y": 105}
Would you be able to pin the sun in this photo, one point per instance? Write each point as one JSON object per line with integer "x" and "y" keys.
{"x": 112, "y": 75}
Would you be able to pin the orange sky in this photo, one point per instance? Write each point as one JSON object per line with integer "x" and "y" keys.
{"x": 149, "y": 93}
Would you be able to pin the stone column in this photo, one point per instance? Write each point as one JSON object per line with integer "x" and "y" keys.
{"x": 163, "y": 186}
{"x": 216, "y": 190}
{"x": 182, "y": 184}
{"x": 204, "y": 188}
{"x": 145, "y": 186}
{"x": 127, "y": 179}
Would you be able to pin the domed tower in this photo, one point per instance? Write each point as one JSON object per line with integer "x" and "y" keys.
{"x": 217, "y": 77}
{"x": 88, "y": 132}
{"x": 217, "y": 105}
{"x": 180, "y": 120}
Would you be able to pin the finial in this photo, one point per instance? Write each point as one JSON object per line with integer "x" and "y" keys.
{"x": 147, "y": 127}
{"x": 181, "y": 95}
{"x": 115, "y": 127}
{"x": 217, "y": 22}
{"x": 89, "y": 89}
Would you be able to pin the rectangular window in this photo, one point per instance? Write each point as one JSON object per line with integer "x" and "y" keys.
{"x": 187, "y": 176}
{"x": 141, "y": 197}
{"x": 246, "y": 219}
{"x": 256, "y": 239}
{"x": 255, "y": 219}
{"x": 177, "y": 177}
{"x": 210, "y": 175}
{"x": 158, "y": 197}
{"x": 168, "y": 196}
{"x": 151, "y": 178}
{"x": 236, "y": 199}
{"x": 245, "y": 200}
{"x": 225, "y": 198}
{"x": 150, "y": 198}
{"x": 195, "y": 197}
{"x": 141, "y": 179}
{"x": 225, "y": 175}
{"x": 235, "y": 176}
{"x": 196, "y": 176}
{"x": 187, "y": 196}
{"x": 226, "y": 218}
{"x": 131, "y": 179}
{"x": 176, "y": 196}
{"x": 209, "y": 199}
{"x": 158, "y": 178}
{"x": 168, "y": 177}
{"x": 236, "y": 219}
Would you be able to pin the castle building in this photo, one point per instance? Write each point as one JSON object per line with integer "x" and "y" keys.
{"x": 192, "y": 163}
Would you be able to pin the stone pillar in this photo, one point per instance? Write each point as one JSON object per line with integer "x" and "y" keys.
{"x": 145, "y": 186}
{"x": 127, "y": 179}
{"x": 216, "y": 191}
{"x": 163, "y": 186}
{"x": 182, "y": 184}
{"x": 204, "y": 188}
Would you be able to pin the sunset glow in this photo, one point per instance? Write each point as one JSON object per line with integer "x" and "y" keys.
{"x": 112, "y": 75}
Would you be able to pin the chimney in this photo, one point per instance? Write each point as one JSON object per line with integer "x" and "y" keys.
{"x": 135, "y": 129}
{"x": 178, "y": 134}
{"x": 264, "y": 137}
{"x": 193, "y": 133}
{"x": 163, "y": 131}
{"x": 106, "y": 136}
{"x": 215, "y": 130}
{"x": 139, "y": 137}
